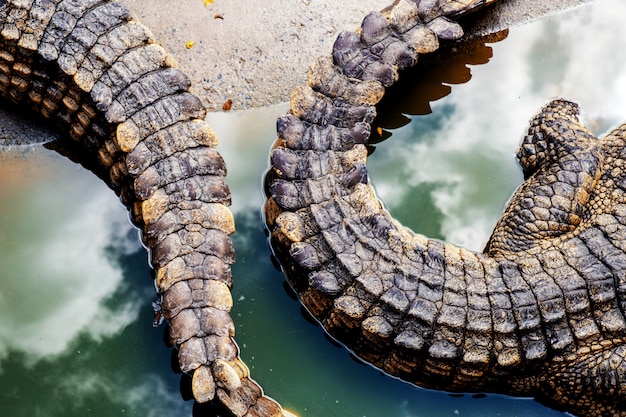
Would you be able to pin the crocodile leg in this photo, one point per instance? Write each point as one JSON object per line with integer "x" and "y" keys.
{"x": 597, "y": 374}
{"x": 91, "y": 69}
{"x": 555, "y": 139}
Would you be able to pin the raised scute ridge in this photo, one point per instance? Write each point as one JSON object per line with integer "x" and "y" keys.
{"x": 91, "y": 69}
{"x": 540, "y": 313}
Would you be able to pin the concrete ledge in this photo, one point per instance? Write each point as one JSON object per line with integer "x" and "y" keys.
{"x": 254, "y": 53}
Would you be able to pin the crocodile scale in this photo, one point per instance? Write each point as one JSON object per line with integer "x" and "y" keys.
{"x": 538, "y": 314}
{"x": 90, "y": 68}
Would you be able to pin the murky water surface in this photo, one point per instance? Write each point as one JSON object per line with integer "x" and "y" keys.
{"x": 75, "y": 291}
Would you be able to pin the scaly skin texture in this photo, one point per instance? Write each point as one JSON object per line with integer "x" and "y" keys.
{"x": 88, "y": 67}
{"x": 540, "y": 313}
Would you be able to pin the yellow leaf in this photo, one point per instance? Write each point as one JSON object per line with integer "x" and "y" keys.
{"x": 189, "y": 44}
{"x": 207, "y": 2}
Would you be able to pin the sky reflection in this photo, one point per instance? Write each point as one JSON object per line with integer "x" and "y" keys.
{"x": 59, "y": 281}
{"x": 573, "y": 56}
{"x": 75, "y": 316}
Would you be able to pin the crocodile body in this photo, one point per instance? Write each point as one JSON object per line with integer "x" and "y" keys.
{"x": 539, "y": 313}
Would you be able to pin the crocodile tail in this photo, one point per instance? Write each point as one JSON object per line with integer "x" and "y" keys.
{"x": 419, "y": 309}
{"x": 90, "y": 68}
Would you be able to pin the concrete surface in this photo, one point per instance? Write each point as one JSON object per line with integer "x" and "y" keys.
{"x": 253, "y": 53}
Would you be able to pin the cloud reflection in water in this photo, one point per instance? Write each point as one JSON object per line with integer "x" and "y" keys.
{"x": 62, "y": 276}
{"x": 576, "y": 57}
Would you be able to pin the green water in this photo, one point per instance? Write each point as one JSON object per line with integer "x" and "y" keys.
{"x": 75, "y": 292}
{"x": 75, "y": 299}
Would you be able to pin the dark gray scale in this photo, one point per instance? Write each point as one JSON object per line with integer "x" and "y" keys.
{"x": 354, "y": 58}
{"x": 186, "y": 164}
{"x": 372, "y": 233}
{"x": 406, "y": 279}
{"x": 319, "y": 292}
{"x": 506, "y": 347}
{"x": 393, "y": 53}
{"x": 340, "y": 241}
{"x": 377, "y": 64}
{"x": 126, "y": 69}
{"x": 417, "y": 330}
{"x": 416, "y": 327}
{"x": 200, "y": 322}
{"x": 550, "y": 300}
{"x": 167, "y": 141}
{"x": 166, "y": 112}
{"x": 197, "y": 351}
{"x": 326, "y": 78}
{"x": 61, "y": 25}
{"x": 96, "y": 22}
{"x": 479, "y": 331}
{"x": 298, "y": 134}
{"x": 108, "y": 49}
{"x": 298, "y": 194}
{"x": 619, "y": 213}
{"x": 582, "y": 319}
{"x": 357, "y": 313}
{"x": 34, "y": 25}
{"x": 206, "y": 188}
{"x": 325, "y": 283}
{"x": 291, "y": 164}
{"x": 145, "y": 91}
{"x": 386, "y": 315}
{"x": 448, "y": 338}
{"x": 603, "y": 291}
{"x": 306, "y": 255}
{"x": 597, "y": 275}
{"x": 312, "y": 107}
{"x": 205, "y": 241}
{"x": 389, "y": 302}
{"x": 346, "y": 49}
{"x": 523, "y": 301}
{"x": 287, "y": 195}
{"x": 554, "y": 283}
